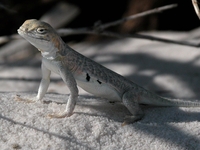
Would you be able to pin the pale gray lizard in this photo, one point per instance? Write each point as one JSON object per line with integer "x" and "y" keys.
{"x": 76, "y": 69}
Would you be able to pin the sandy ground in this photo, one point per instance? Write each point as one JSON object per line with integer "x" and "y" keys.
{"x": 166, "y": 69}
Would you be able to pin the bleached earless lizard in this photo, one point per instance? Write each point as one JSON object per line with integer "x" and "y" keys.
{"x": 76, "y": 69}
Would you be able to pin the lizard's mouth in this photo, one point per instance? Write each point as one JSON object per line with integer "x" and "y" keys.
{"x": 21, "y": 32}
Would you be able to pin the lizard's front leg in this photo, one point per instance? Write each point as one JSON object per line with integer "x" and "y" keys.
{"x": 44, "y": 84}
{"x": 68, "y": 78}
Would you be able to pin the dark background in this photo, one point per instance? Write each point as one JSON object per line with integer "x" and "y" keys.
{"x": 183, "y": 18}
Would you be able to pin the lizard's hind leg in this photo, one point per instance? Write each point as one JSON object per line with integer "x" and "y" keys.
{"x": 130, "y": 100}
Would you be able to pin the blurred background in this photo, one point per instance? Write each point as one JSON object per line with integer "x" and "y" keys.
{"x": 13, "y": 13}
{"x": 20, "y": 62}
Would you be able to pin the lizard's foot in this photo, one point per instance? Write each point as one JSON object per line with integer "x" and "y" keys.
{"x": 60, "y": 115}
{"x": 130, "y": 100}
{"x": 26, "y": 99}
{"x": 68, "y": 111}
{"x": 131, "y": 119}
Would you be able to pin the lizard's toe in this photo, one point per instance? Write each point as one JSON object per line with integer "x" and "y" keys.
{"x": 131, "y": 119}
{"x": 59, "y": 115}
{"x": 25, "y": 99}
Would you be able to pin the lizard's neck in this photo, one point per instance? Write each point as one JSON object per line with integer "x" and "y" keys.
{"x": 56, "y": 47}
{"x": 50, "y": 54}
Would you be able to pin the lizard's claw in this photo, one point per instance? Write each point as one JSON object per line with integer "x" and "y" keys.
{"x": 26, "y": 100}
{"x": 60, "y": 115}
{"x": 131, "y": 119}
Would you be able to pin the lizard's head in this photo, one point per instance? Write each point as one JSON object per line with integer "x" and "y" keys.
{"x": 41, "y": 35}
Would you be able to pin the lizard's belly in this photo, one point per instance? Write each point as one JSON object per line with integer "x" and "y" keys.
{"x": 99, "y": 89}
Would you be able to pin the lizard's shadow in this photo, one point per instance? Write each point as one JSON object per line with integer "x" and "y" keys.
{"x": 116, "y": 111}
{"x": 159, "y": 115}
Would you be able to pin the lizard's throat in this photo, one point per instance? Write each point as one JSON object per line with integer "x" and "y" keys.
{"x": 50, "y": 53}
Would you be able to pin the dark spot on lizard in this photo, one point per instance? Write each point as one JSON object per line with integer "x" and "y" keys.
{"x": 99, "y": 81}
{"x": 112, "y": 102}
{"x": 87, "y": 77}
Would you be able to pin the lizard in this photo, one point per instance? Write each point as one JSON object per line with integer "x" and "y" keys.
{"x": 77, "y": 70}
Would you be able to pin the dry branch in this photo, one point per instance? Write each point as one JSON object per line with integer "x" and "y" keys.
{"x": 64, "y": 32}
{"x": 100, "y": 30}
{"x": 135, "y": 16}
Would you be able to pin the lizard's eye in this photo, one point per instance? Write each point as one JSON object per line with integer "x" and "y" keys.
{"x": 41, "y": 30}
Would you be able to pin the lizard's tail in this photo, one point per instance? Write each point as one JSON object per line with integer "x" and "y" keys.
{"x": 163, "y": 101}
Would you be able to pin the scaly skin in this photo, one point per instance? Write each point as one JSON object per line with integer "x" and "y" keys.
{"x": 76, "y": 69}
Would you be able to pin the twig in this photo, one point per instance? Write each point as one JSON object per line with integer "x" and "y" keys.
{"x": 196, "y": 7}
{"x": 64, "y": 32}
{"x": 152, "y": 38}
{"x": 101, "y": 27}
{"x": 67, "y": 32}
{"x": 95, "y": 30}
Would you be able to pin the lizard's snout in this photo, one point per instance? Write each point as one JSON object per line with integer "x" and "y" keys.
{"x": 22, "y": 30}
{"x": 19, "y": 31}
